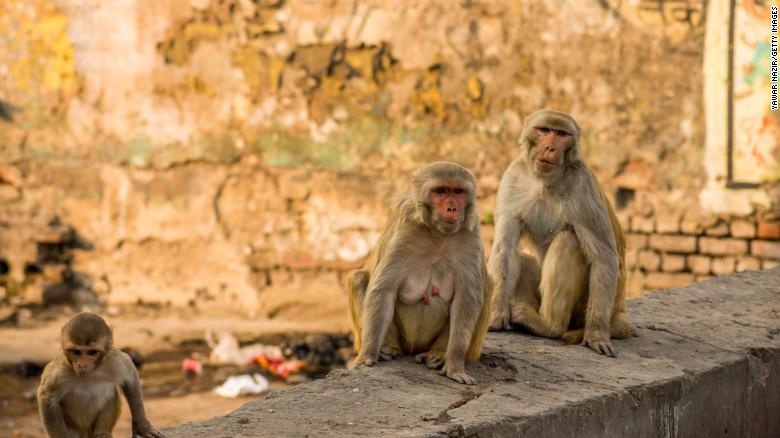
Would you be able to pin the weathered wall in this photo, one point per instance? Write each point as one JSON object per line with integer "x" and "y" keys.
{"x": 231, "y": 152}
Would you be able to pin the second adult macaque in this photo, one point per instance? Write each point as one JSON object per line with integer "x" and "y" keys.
{"x": 574, "y": 288}
{"x": 79, "y": 391}
{"x": 424, "y": 289}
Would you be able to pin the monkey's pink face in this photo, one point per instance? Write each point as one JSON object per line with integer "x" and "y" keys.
{"x": 449, "y": 206}
{"x": 83, "y": 359}
{"x": 551, "y": 147}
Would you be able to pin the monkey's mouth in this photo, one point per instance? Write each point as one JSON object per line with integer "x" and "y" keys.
{"x": 449, "y": 225}
{"x": 545, "y": 165}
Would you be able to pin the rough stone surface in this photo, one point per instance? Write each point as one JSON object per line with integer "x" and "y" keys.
{"x": 706, "y": 363}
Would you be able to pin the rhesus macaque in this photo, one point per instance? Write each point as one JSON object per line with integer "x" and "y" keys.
{"x": 78, "y": 395}
{"x": 424, "y": 289}
{"x": 575, "y": 290}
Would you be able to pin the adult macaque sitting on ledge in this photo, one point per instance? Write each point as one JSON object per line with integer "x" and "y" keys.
{"x": 424, "y": 289}
{"x": 575, "y": 288}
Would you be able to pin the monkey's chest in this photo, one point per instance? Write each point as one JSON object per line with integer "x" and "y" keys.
{"x": 436, "y": 282}
{"x": 88, "y": 399}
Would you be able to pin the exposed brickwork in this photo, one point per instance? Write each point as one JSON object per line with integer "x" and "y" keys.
{"x": 765, "y": 249}
{"x": 768, "y": 230}
{"x": 748, "y": 264}
{"x": 676, "y": 244}
{"x": 743, "y": 229}
{"x": 642, "y": 224}
{"x": 670, "y": 225}
{"x": 723, "y": 265}
{"x": 699, "y": 264}
{"x": 673, "y": 251}
{"x": 716, "y": 246}
{"x": 672, "y": 263}
{"x": 663, "y": 280}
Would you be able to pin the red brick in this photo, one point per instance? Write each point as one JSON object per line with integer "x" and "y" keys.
{"x": 720, "y": 229}
{"x": 668, "y": 225}
{"x": 768, "y": 230}
{"x": 663, "y": 280}
{"x": 679, "y": 244}
{"x": 769, "y": 264}
{"x": 748, "y": 264}
{"x": 723, "y": 265}
{"x": 699, "y": 264}
{"x": 649, "y": 260}
{"x": 716, "y": 246}
{"x": 641, "y": 224}
{"x": 637, "y": 241}
{"x": 702, "y": 278}
{"x": 672, "y": 263}
{"x": 765, "y": 249}
{"x": 743, "y": 229}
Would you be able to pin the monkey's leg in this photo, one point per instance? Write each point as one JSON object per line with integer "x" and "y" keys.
{"x": 619, "y": 329}
{"x": 564, "y": 277}
{"x": 106, "y": 418}
{"x": 392, "y": 346}
{"x": 528, "y": 284}
{"x": 357, "y": 282}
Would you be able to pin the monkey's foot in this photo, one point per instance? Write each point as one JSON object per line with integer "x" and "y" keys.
{"x": 500, "y": 318}
{"x": 458, "y": 376}
{"x": 433, "y": 359}
{"x": 599, "y": 344}
{"x": 361, "y": 360}
{"x": 573, "y": 336}
{"x": 146, "y": 431}
{"x": 387, "y": 353}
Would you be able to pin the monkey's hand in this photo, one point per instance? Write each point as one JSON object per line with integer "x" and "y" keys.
{"x": 457, "y": 373}
{"x": 433, "y": 359}
{"x": 500, "y": 317}
{"x": 144, "y": 429}
{"x": 361, "y": 360}
{"x": 599, "y": 342}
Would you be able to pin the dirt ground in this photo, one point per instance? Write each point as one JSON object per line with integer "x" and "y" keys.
{"x": 163, "y": 337}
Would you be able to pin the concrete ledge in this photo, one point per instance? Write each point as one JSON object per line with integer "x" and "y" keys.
{"x": 706, "y": 364}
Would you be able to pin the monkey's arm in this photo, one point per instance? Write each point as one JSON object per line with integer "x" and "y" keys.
{"x": 378, "y": 310}
{"x": 49, "y": 396}
{"x": 597, "y": 240}
{"x": 463, "y": 321}
{"x": 131, "y": 387}
{"x": 504, "y": 267}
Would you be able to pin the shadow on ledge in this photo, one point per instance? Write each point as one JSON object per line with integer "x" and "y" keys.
{"x": 706, "y": 364}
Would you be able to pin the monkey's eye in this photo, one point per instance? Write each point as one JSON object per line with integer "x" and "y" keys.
{"x": 74, "y": 352}
{"x": 543, "y": 130}
{"x": 562, "y": 133}
{"x": 440, "y": 190}
{"x": 92, "y": 353}
{"x": 458, "y": 191}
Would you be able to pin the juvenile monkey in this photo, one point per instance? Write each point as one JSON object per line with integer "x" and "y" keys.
{"x": 549, "y": 196}
{"x": 79, "y": 391}
{"x": 424, "y": 289}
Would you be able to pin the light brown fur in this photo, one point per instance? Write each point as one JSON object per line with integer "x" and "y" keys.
{"x": 575, "y": 288}
{"x": 88, "y": 404}
{"x": 413, "y": 254}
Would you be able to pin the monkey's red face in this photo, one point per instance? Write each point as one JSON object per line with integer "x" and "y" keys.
{"x": 83, "y": 359}
{"x": 551, "y": 146}
{"x": 449, "y": 206}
